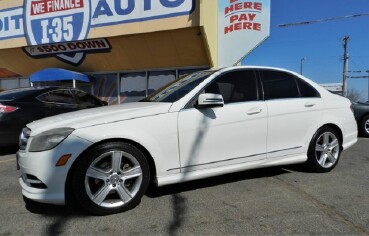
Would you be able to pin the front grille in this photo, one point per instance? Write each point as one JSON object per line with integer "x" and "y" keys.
{"x": 23, "y": 138}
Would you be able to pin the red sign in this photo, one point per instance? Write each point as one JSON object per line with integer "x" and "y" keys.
{"x": 242, "y": 16}
{"x": 47, "y": 6}
{"x": 242, "y": 26}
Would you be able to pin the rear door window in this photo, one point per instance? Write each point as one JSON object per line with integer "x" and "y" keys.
{"x": 279, "y": 85}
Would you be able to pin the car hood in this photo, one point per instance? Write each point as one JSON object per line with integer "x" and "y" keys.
{"x": 100, "y": 115}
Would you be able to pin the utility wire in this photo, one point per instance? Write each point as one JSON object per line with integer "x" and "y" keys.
{"x": 323, "y": 20}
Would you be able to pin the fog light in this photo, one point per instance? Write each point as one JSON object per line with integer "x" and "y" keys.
{"x": 63, "y": 160}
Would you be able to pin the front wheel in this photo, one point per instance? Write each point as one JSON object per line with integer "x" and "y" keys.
{"x": 324, "y": 150}
{"x": 364, "y": 126}
{"x": 111, "y": 178}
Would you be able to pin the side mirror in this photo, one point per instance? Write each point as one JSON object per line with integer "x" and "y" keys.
{"x": 209, "y": 100}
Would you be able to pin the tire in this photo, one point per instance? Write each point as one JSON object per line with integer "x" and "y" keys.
{"x": 324, "y": 150}
{"x": 364, "y": 126}
{"x": 111, "y": 178}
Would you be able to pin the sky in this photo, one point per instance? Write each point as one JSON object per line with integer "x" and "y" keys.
{"x": 320, "y": 43}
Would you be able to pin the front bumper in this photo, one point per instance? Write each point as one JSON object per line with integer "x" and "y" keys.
{"x": 9, "y": 130}
{"x": 41, "y": 179}
{"x": 8, "y": 138}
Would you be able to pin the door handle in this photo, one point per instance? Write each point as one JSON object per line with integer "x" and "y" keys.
{"x": 309, "y": 104}
{"x": 255, "y": 110}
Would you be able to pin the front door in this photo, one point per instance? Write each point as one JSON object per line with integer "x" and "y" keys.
{"x": 233, "y": 134}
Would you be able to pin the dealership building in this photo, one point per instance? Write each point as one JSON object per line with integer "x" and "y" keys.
{"x": 128, "y": 48}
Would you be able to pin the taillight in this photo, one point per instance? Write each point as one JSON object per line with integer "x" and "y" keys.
{"x": 7, "y": 109}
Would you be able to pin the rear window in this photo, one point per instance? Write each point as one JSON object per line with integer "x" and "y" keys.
{"x": 62, "y": 96}
{"x": 86, "y": 99}
{"x": 15, "y": 94}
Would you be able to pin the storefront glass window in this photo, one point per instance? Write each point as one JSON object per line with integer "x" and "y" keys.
{"x": 187, "y": 71}
{"x": 133, "y": 87}
{"x": 24, "y": 83}
{"x": 158, "y": 79}
{"x": 9, "y": 83}
{"x": 105, "y": 87}
{"x": 67, "y": 84}
{"x": 87, "y": 87}
{"x": 178, "y": 88}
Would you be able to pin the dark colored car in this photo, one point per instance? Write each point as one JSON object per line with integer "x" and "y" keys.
{"x": 19, "y": 107}
{"x": 361, "y": 111}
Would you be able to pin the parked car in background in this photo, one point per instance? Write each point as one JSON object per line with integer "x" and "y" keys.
{"x": 21, "y": 106}
{"x": 204, "y": 124}
{"x": 361, "y": 111}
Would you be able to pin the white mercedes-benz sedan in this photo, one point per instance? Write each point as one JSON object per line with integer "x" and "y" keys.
{"x": 204, "y": 124}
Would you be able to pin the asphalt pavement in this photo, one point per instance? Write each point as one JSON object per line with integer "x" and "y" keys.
{"x": 280, "y": 200}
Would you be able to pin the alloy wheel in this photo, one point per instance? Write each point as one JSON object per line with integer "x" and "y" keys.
{"x": 327, "y": 149}
{"x": 113, "y": 179}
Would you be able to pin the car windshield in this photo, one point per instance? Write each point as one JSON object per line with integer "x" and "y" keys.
{"x": 178, "y": 88}
{"x": 14, "y": 94}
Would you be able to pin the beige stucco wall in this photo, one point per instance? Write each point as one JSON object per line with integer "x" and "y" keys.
{"x": 181, "y": 41}
{"x": 164, "y": 49}
{"x": 171, "y": 23}
{"x": 17, "y": 42}
{"x": 209, "y": 25}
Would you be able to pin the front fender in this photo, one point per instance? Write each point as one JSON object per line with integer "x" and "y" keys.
{"x": 158, "y": 134}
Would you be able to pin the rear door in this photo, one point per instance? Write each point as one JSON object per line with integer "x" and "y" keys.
{"x": 293, "y": 110}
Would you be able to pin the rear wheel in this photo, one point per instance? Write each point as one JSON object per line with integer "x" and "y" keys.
{"x": 324, "y": 150}
{"x": 364, "y": 126}
{"x": 111, "y": 178}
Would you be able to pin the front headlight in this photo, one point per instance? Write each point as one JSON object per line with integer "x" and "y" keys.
{"x": 49, "y": 139}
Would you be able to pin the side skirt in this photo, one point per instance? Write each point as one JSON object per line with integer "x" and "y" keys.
{"x": 205, "y": 173}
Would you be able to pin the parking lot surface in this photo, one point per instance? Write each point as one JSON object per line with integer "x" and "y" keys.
{"x": 278, "y": 200}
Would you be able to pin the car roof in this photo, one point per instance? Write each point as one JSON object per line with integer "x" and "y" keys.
{"x": 319, "y": 88}
{"x": 256, "y": 68}
{"x": 20, "y": 94}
